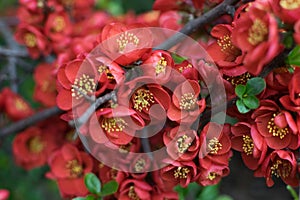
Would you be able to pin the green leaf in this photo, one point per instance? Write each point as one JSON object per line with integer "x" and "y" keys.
{"x": 292, "y": 192}
{"x": 182, "y": 192}
{"x": 255, "y": 86}
{"x": 79, "y": 198}
{"x": 241, "y": 106}
{"x": 294, "y": 56}
{"x": 251, "y": 102}
{"x": 92, "y": 183}
{"x": 288, "y": 39}
{"x": 224, "y": 197}
{"x": 90, "y": 197}
{"x": 209, "y": 193}
{"x": 109, "y": 188}
{"x": 240, "y": 90}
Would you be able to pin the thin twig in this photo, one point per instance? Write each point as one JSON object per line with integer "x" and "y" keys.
{"x": 13, "y": 52}
{"x": 193, "y": 25}
{"x": 22, "y": 124}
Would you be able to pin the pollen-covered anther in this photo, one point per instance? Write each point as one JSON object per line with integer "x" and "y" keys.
{"x": 214, "y": 145}
{"x": 142, "y": 99}
{"x": 104, "y": 69}
{"x": 181, "y": 172}
{"x": 75, "y": 168}
{"x": 188, "y": 101}
{"x": 127, "y": 38}
{"x": 161, "y": 66}
{"x": 59, "y": 24}
{"x": 113, "y": 124}
{"x": 139, "y": 165}
{"x": 183, "y": 143}
{"x": 275, "y": 130}
{"x": 35, "y": 145}
{"x": 226, "y": 45}
{"x": 248, "y": 145}
{"x": 20, "y": 105}
{"x": 30, "y": 40}
{"x": 132, "y": 194}
{"x": 83, "y": 86}
{"x": 212, "y": 175}
{"x": 289, "y": 4}
{"x": 237, "y": 80}
{"x": 281, "y": 168}
{"x": 181, "y": 69}
{"x": 257, "y": 33}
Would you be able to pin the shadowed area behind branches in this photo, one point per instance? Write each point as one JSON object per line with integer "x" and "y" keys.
{"x": 242, "y": 185}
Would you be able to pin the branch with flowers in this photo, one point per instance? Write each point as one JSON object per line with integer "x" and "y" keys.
{"x": 104, "y": 81}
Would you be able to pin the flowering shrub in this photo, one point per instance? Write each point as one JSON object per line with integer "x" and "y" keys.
{"x": 139, "y": 118}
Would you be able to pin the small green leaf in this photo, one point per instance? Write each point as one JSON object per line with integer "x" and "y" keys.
{"x": 294, "y": 56}
{"x": 288, "y": 39}
{"x": 255, "y": 86}
{"x": 182, "y": 192}
{"x": 79, "y": 198}
{"x": 109, "y": 188}
{"x": 241, "y": 106}
{"x": 92, "y": 183}
{"x": 292, "y": 192}
{"x": 209, "y": 193}
{"x": 251, "y": 102}
{"x": 224, "y": 197}
{"x": 90, "y": 197}
{"x": 240, "y": 90}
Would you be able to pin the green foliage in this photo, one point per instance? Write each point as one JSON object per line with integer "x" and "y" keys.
{"x": 294, "y": 57}
{"x": 195, "y": 191}
{"x": 247, "y": 99}
{"x": 292, "y": 192}
{"x": 92, "y": 183}
{"x": 109, "y": 188}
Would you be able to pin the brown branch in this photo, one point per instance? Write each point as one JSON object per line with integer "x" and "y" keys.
{"x": 22, "y": 124}
{"x": 13, "y": 52}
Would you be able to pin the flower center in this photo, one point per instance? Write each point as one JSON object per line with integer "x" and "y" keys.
{"x": 188, "y": 101}
{"x": 227, "y": 46}
{"x": 181, "y": 172}
{"x": 20, "y": 105}
{"x": 142, "y": 99}
{"x": 181, "y": 69}
{"x": 125, "y": 148}
{"x": 48, "y": 86}
{"x": 104, "y": 69}
{"x": 290, "y": 4}
{"x": 183, "y": 143}
{"x": 59, "y": 24}
{"x": 82, "y": 86}
{"x": 132, "y": 194}
{"x": 127, "y": 38}
{"x": 113, "y": 124}
{"x": 214, "y": 145}
{"x": 30, "y": 40}
{"x": 257, "y": 32}
{"x": 36, "y": 145}
{"x": 275, "y": 130}
{"x": 212, "y": 175}
{"x": 281, "y": 168}
{"x": 237, "y": 80}
{"x": 248, "y": 144}
{"x": 161, "y": 66}
{"x": 139, "y": 165}
{"x": 75, "y": 169}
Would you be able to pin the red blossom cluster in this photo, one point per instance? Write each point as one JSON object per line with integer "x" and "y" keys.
{"x": 96, "y": 54}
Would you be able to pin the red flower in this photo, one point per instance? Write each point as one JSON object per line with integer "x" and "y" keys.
{"x": 134, "y": 189}
{"x": 117, "y": 125}
{"x": 185, "y": 106}
{"x": 45, "y": 84}
{"x": 58, "y": 26}
{"x": 292, "y": 101}
{"x": 125, "y": 44}
{"x": 34, "y": 40}
{"x": 186, "y": 69}
{"x": 170, "y": 20}
{"x": 181, "y": 173}
{"x": 212, "y": 175}
{"x": 182, "y": 143}
{"x": 4, "y": 194}
{"x": 250, "y": 143}
{"x": 215, "y": 145}
{"x": 158, "y": 65}
{"x": 277, "y": 126}
{"x": 283, "y": 164}
{"x": 256, "y": 34}
{"x": 297, "y": 32}
{"x": 227, "y": 56}
{"x": 68, "y": 166}
{"x": 158, "y": 194}
{"x": 76, "y": 79}
{"x": 107, "y": 174}
{"x": 32, "y": 147}
{"x": 15, "y": 106}
{"x": 164, "y": 5}
{"x": 287, "y": 11}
